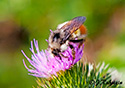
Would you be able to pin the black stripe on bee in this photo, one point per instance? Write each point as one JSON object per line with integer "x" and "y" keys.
{"x": 77, "y": 41}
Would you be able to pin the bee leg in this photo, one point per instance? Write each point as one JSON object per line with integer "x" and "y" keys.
{"x": 81, "y": 43}
{"x": 63, "y": 55}
{"x": 56, "y": 53}
{"x": 73, "y": 51}
{"x": 59, "y": 57}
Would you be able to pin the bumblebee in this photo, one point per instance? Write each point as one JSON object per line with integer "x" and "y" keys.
{"x": 70, "y": 31}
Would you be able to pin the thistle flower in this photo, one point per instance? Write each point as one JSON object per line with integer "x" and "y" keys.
{"x": 44, "y": 65}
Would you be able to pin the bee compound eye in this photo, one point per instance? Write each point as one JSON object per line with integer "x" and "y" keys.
{"x": 56, "y": 36}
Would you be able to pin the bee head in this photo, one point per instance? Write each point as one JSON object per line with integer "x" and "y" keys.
{"x": 55, "y": 39}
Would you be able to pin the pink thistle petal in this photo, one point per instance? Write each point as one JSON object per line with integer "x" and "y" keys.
{"x": 44, "y": 65}
{"x": 51, "y": 31}
{"x": 46, "y": 40}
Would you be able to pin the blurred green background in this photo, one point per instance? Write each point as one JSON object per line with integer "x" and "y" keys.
{"x": 23, "y": 20}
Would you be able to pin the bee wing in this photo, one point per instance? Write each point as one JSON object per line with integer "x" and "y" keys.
{"x": 72, "y": 25}
{"x": 61, "y": 25}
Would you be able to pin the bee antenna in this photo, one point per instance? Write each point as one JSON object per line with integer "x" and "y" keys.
{"x": 51, "y": 31}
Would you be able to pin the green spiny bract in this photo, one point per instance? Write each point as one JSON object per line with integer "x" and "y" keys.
{"x": 81, "y": 76}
